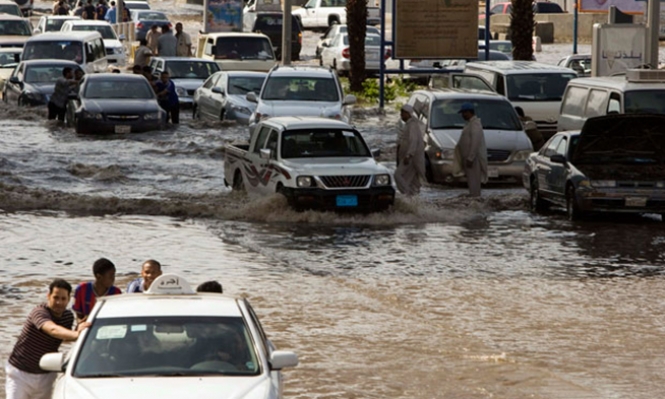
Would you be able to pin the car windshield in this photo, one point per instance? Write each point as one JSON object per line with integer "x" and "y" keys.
{"x": 116, "y": 89}
{"x": 504, "y": 47}
{"x": 167, "y": 346}
{"x": 244, "y": 84}
{"x": 493, "y": 114}
{"x": 59, "y": 50}
{"x": 9, "y": 58}
{"x": 191, "y": 69}
{"x": 138, "y": 6}
{"x": 370, "y": 40}
{"x": 272, "y": 22}
{"x": 15, "y": 28}
{"x": 537, "y": 86}
{"x": 295, "y": 88}
{"x": 152, "y": 16}
{"x": 53, "y": 24}
{"x": 644, "y": 101}
{"x": 320, "y": 143}
{"x": 105, "y": 30}
{"x": 10, "y": 9}
{"x": 243, "y": 48}
{"x": 43, "y": 73}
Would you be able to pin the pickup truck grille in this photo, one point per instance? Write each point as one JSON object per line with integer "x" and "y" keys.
{"x": 344, "y": 181}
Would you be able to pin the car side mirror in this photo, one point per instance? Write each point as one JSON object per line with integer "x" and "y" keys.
{"x": 218, "y": 90}
{"x": 36, "y": 31}
{"x": 14, "y": 80}
{"x": 376, "y": 152}
{"x": 265, "y": 153}
{"x": 283, "y": 359}
{"x": 251, "y": 97}
{"x": 52, "y": 362}
{"x": 350, "y": 99}
{"x": 122, "y": 38}
{"x": 558, "y": 158}
{"x": 325, "y": 44}
{"x": 213, "y": 50}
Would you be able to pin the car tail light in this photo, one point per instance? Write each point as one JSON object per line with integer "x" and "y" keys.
{"x": 346, "y": 53}
{"x": 389, "y": 53}
{"x": 139, "y": 25}
{"x": 170, "y": 25}
{"x": 299, "y": 37}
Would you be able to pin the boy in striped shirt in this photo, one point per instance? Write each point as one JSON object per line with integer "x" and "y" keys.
{"x": 85, "y": 295}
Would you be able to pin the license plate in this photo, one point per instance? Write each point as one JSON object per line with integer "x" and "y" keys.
{"x": 492, "y": 172}
{"x": 122, "y": 129}
{"x": 636, "y": 201}
{"x": 347, "y": 200}
{"x": 372, "y": 56}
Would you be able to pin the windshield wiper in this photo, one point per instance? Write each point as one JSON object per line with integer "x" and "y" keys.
{"x": 242, "y": 88}
{"x": 102, "y": 375}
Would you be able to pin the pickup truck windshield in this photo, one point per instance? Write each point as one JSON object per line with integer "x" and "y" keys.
{"x": 493, "y": 114}
{"x": 167, "y": 346}
{"x": 321, "y": 143}
{"x": 295, "y": 88}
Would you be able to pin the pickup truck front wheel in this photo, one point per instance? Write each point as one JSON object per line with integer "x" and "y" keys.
{"x": 238, "y": 183}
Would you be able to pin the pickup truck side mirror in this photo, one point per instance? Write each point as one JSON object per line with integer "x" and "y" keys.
{"x": 558, "y": 158}
{"x": 251, "y": 97}
{"x": 349, "y": 99}
{"x": 14, "y": 80}
{"x": 213, "y": 50}
{"x": 266, "y": 153}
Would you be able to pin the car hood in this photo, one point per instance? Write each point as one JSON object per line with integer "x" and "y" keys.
{"x": 335, "y": 166}
{"x": 621, "y": 134}
{"x": 188, "y": 84}
{"x": 300, "y": 108}
{"x": 112, "y": 43}
{"x": 43, "y": 88}
{"x": 120, "y": 105}
{"x": 494, "y": 139}
{"x": 168, "y": 387}
{"x": 241, "y": 101}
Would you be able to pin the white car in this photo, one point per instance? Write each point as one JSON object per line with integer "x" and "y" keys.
{"x": 332, "y": 31}
{"x": 171, "y": 343}
{"x": 301, "y": 91}
{"x": 223, "y": 96}
{"x": 337, "y": 54}
{"x": 115, "y": 50}
{"x": 52, "y": 23}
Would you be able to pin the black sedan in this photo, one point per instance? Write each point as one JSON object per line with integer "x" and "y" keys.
{"x": 33, "y": 82}
{"x": 615, "y": 164}
{"x": 115, "y": 103}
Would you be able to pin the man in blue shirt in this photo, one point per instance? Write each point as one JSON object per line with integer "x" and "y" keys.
{"x": 110, "y": 14}
{"x": 168, "y": 98}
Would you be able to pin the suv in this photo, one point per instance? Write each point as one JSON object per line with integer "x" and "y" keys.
{"x": 535, "y": 87}
{"x": 301, "y": 91}
{"x": 508, "y": 146}
{"x": 270, "y": 24}
{"x": 15, "y": 30}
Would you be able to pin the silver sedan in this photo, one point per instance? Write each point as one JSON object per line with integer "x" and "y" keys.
{"x": 337, "y": 56}
{"x": 222, "y": 96}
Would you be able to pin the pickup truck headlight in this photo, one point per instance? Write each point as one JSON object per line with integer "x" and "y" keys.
{"x": 603, "y": 183}
{"x": 522, "y": 155}
{"x": 304, "y": 181}
{"x": 382, "y": 180}
{"x": 151, "y": 116}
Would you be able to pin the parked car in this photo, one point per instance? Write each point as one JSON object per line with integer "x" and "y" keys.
{"x": 301, "y": 91}
{"x": 171, "y": 342}
{"x": 504, "y": 46}
{"x": 580, "y": 63}
{"x": 325, "y": 13}
{"x": 449, "y": 65}
{"x": 337, "y": 54}
{"x": 115, "y": 50}
{"x": 9, "y": 59}
{"x": 316, "y": 163}
{"x": 32, "y": 82}
{"x": 187, "y": 73}
{"x": 333, "y": 31}
{"x": 144, "y": 20}
{"x": 270, "y": 24}
{"x": 223, "y": 96}
{"x": 237, "y": 51}
{"x": 539, "y": 7}
{"x": 11, "y": 8}
{"x": 52, "y": 23}
{"x": 109, "y": 103}
{"x": 14, "y": 31}
{"x": 137, "y": 5}
{"x": 507, "y": 144}
{"x": 615, "y": 164}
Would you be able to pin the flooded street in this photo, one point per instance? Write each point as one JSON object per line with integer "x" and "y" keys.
{"x": 441, "y": 297}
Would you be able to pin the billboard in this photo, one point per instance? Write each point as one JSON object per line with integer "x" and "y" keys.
{"x": 435, "y": 29}
{"x": 617, "y": 47}
{"x": 627, "y": 6}
{"x": 222, "y": 16}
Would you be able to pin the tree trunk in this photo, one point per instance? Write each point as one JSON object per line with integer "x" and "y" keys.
{"x": 356, "y": 19}
{"x": 521, "y": 29}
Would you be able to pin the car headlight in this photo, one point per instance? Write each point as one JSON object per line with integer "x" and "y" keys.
{"x": 180, "y": 91}
{"x": 660, "y": 184}
{"x": 522, "y": 155}
{"x": 584, "y": 183}
{"x": 92, "y": 115}
{"x": 603, "y": 183}
{"x": 445, "y": 153}
{"x": 382, "y": 180}
{"x": 151, "y": 116}
{"x": 241, "y": 110}
{"x": 304, "y": 181}
{"x": 119, "y": 50}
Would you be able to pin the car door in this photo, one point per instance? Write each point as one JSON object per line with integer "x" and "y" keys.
{"x": 268, "y": 177}
{"x": 276, "y": 378}
{"x": 218, "y": 98}
{"x": 309, "y": 14}
{"x": 203, "y": 94}
{"x": 559, "y": 172}
{"x": 254, "y": 175}
{"x": 13, "y": 90}
{"x": 544, "y": 166}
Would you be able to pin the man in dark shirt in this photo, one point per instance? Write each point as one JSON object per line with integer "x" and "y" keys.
{"x": 89, "y": 11}
{"x": 168, "y": 98}
{"x": 46, "y": 327}
{"x": 101, "y": 10}
{"x": 57, "y": 106}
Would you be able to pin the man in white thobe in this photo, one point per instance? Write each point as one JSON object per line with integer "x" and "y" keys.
{"x": 410, "y": 154}
{"x": 473, "y": 150}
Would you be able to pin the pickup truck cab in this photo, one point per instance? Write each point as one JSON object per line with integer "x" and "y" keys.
{"x": 316, "y": 163}
{"x": 317, "y": 14}
{"x": 237, "y": 51}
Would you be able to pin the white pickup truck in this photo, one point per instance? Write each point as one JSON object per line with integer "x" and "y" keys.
{"x": 324, "y": 13}
{"x": 316, "y": 163}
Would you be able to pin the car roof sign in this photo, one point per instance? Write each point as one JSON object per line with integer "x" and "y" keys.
{"x": 170, "y": 284}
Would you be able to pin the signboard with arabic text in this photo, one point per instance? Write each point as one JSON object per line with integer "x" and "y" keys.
{"x": 222, "y": 16}
{"x": 617, "y": 48}
{"x": 626, "y": 6}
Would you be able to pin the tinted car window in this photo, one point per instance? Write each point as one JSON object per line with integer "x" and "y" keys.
{"x": 10, "y": 9}
{"x": 370, "y": 40}
{"x": 119, "y": 89}
{"x": 644, "y": 101}
{"x": 243, "y": 48}
{"x": 313, "y": 143}
{"x": 106, "y": 31}
{"x": 547, "y": 8}
{"x": 499, "y": 115}
{"x": 537, "y": 86}
{"x": 243, "y": 85}
{"x": 15, "y": 28}
{"x": 191, "y": 69}
{"x": 53, "y": 24}
{"x": 300, "y": 89}
{"x": 273, "y": 22}
{"x": 43, "y": 73}
{"x": 59, "y": 50}
{"x": 574, "y": 102}
{"x": 9, "y": 58}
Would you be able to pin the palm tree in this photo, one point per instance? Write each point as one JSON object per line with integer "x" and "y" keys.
{"x": 356, "y": 19}
{"x": 521, "y": 29}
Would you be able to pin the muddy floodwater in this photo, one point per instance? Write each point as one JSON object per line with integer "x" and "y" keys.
{"x": 441, "y": 297}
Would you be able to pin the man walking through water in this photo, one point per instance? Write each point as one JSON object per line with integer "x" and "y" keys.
{"x": 410, "y": 154}
{"x": 47, "y": 326}
{"x": 472, "y": 149}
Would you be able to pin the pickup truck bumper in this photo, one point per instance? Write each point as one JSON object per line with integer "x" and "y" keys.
{"x": 368, "y": 200}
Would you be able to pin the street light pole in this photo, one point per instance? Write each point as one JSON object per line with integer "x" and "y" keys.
{"x": 286, "y": 33}
{"x": 653, "y": 32}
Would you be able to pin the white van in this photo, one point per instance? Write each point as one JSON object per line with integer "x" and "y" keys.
{"x": 84, "y": 48}
{"x": 115, "y": 50}
{"x": 537, "y": 88}
{"x": 639, "y": 91}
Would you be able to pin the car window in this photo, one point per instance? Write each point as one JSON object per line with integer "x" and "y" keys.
{"x": 596, "y": 103}
{"x": 644, "y": 101}
{"x": 105, "y": 30}
{"x": 271, "y": 143}
{"x": 243, "y": 48}
{"x": 211, "y": 81}
{"x": 9, "y": 58}
{"x": 272, "y": 22}
{"x": 191, "y": 69}
{"x": 167, "y": 346}
{"x": 311, "y": 3}
{"x": 322, "y": 143}
{"x": 614, "y": 105}
{"x": 11, "y": 9}
{"x": 561, "y": 148}
{"x": 53, "y": 24}
{"x": 152, "y": 16}
{"x": 15, "y": 28}
{"x": 295, "y": 88}
{"x": 60, "y": 50}
{"x": 259, "y": 327}
{"x": 333, "y": 3}
{"x": 493, "y": 114}
{"x": 573, "y": 103}
{"x": 263, "y": 134}
{"x": 116, "y": 89}
{"x": 547, "y": 7}
{"x": 245, "y": 84}
{"x": 497, "y": 9}
{"x": 537, "y": 86}
{"x": 552, "y": 146}
{"x": 43, "y": 74}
